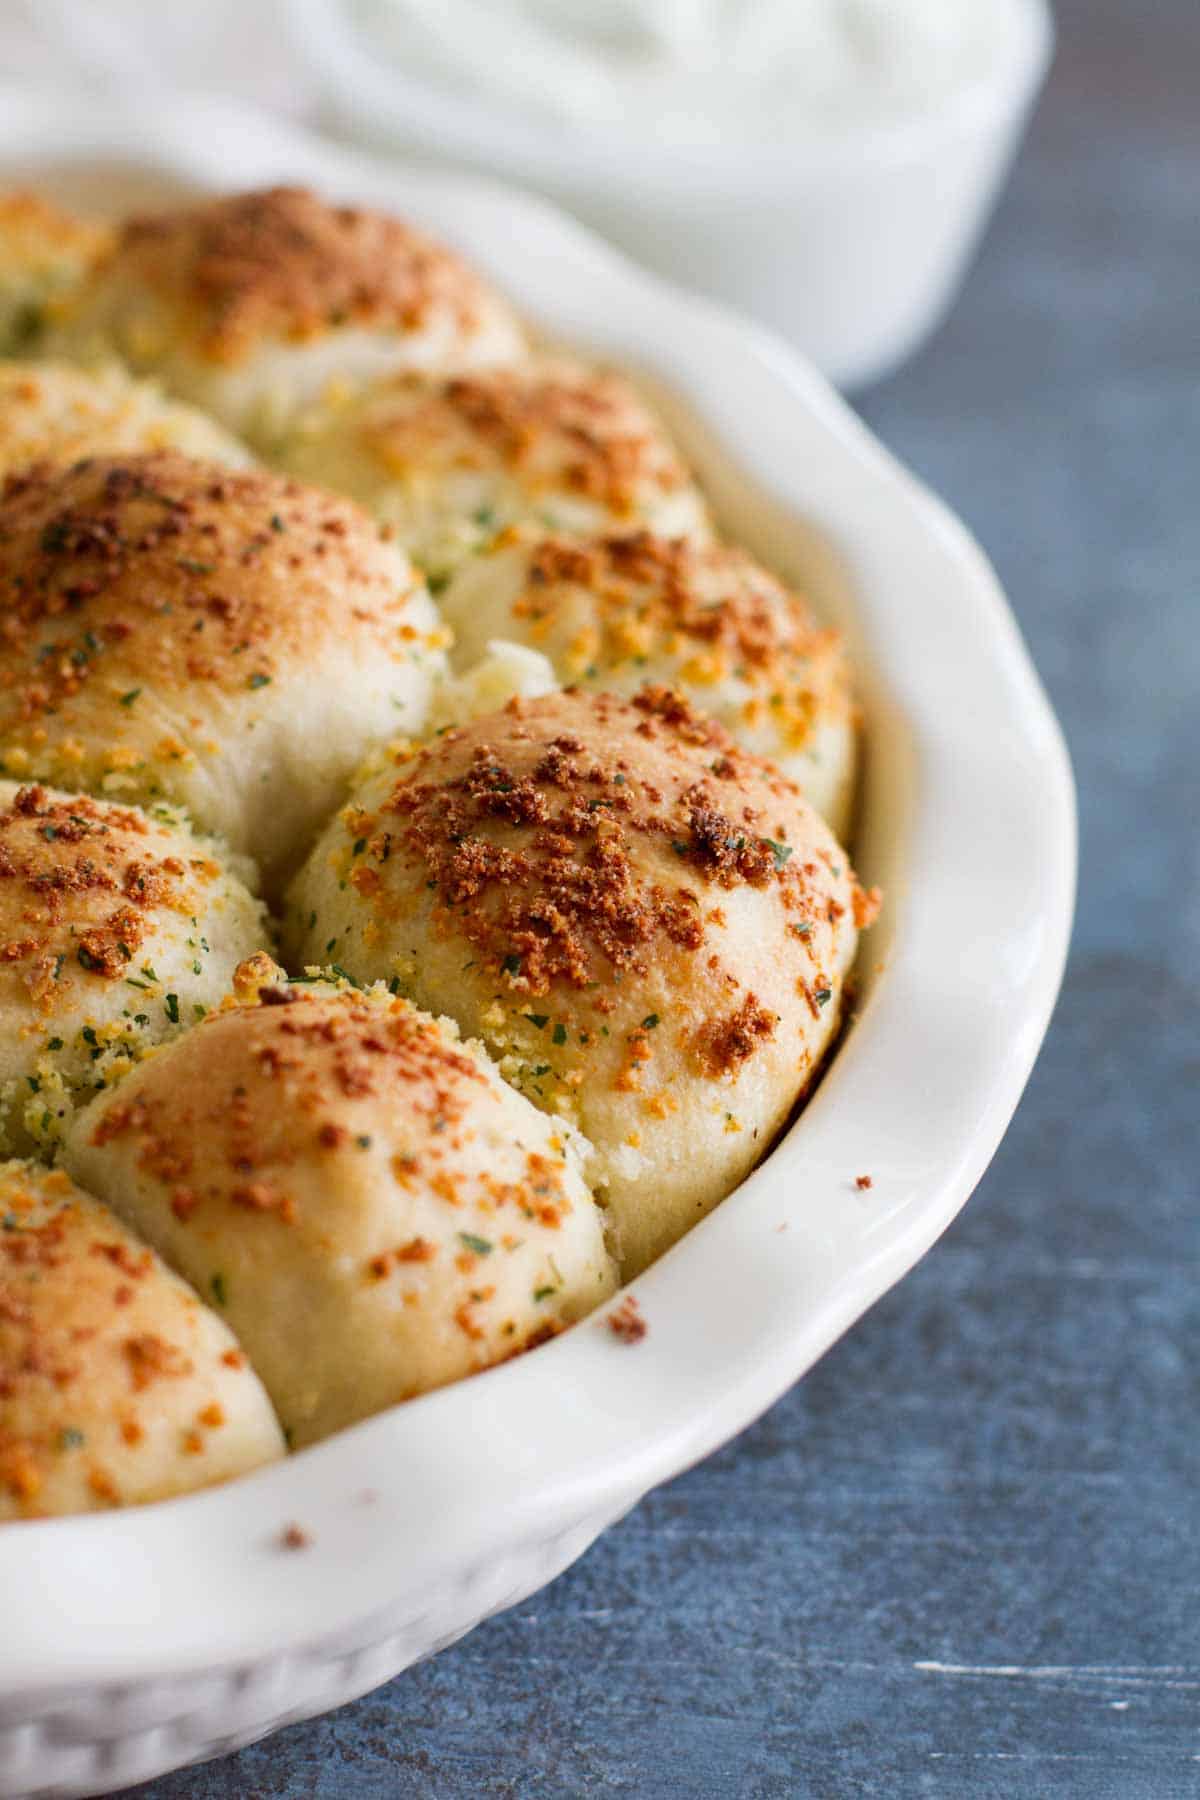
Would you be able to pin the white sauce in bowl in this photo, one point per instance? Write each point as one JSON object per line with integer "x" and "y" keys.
{"x": 692, "y": 72}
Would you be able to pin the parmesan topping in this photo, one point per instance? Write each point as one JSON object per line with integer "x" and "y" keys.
{"x": 285, "y": 264}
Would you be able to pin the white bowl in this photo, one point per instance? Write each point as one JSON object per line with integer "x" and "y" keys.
{"x": 136, "y": 1641}
{"x": 850, "y": 242}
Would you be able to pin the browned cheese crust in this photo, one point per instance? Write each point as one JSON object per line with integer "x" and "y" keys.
{"x": 33, "y": 230}
{"x": 612, "y": 612}
{"x": 228, "y": 640}
{"x": 375, "y": 1212}
{"x": 85, "y": 883}
{"x": 165, "y": 571}
{"x": 116, "y": 1384}
{"x": 578, "y": 429}
{"x": 536, "y": 856}
{"x": 284, "y": 264}
{"x": 44, "y": 253}
{"x": 647, "y": 925}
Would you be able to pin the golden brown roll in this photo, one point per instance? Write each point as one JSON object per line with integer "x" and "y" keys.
{"x": 55, "y": 414}
{"x": 450, "y": 460}
{"x": 44, "y": 254}
{"x": 118, "y": 928}
{"x": 375, "y": 1211}
{"x": 649, "y": 928}
{"x": 117, "y": 1385}
{"x": 250, "y": 304}
{"x": 228, "y": 640}
{"x": 614, "y": 613}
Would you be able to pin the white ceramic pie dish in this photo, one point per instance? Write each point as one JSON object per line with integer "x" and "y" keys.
{"x": 137, "y": 1641}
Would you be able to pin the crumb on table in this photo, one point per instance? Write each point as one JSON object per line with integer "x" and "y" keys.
{"x": 626, "y": 1321}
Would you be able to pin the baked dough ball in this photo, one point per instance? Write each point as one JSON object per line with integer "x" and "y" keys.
{"x": 616, "y": 612}
{"x": 117, "y": 1385}
{"x": 228, "y": 640}
{"x": 376, "y": 1212}
{"x": 51, "y": 413}
{"x": 450, "y": 460}
{"x": 248, "y": 305}
{"x": 648, "y": 927}
{"x": 44, "y": 254}
{"x": 117, "y": 929}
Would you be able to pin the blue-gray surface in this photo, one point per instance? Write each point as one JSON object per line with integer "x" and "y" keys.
{"x": 963, "y": 1556}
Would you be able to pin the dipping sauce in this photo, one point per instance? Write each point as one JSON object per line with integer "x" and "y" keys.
{"x": 693, "y": 72}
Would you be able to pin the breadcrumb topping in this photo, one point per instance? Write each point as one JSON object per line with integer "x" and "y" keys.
{"x": 611, "y": 867}
{"x": 552, "y": 424}
{"x": 130, "y": 583}
{"x": 118, "y": 927}
{"x": 105, "y": 1359}
{"x": 626, "y": 1322}
{"x": 44, "y": 252}
{"x": 577, "y": 843}
{"x": 710, "y": 609}
{"x": 288, "y": 1073}
{"x": 725, "y": 1043}
{"x": 51, "y": 412}
{"x": 73, "y": 888}
{"x": 561, "y": 897}
{"x": 34, "y": 232}
{"x": 285, "y": 264}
